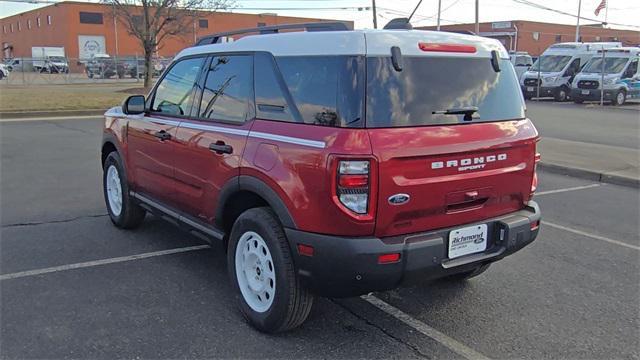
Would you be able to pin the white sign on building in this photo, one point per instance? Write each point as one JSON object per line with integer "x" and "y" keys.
{"x": 89, "y": 45}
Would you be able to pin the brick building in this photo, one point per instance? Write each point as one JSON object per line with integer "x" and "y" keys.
{"x": 534, "y": 37}
{"x": 85, "y": 28}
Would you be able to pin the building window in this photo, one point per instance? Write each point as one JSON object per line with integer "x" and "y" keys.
{"x": 48, "y": 19}
{"x": 597, "y": 38}
{"x": 90, "y": 18}
{"x": 38, "y": 21}
{"x": 536, "y": 35}
{"x": 4, "y": 29}
{"x": 261, "y": 24}
{"x": 558, "y": 38}
{"x": 11, "y": 26}
{"x": 613, "y": 38}
{"x": 203, "y": 23}
{"x": 29, "y": 24}
{"x": 19, "y": 26}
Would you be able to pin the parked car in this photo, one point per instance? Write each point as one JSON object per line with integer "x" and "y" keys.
{"x": 133, "y": 67}
{"x": 556, "y": 68}
{"x": 270, "y": 146}
{"x": 15, "y": 64}
{"x": 104, "y": 66}
{"x": 4, "y": 71}
{"x": 620, "y": 74}
{"x": 521, "y": 61}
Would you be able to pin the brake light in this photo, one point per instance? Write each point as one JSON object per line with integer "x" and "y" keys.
{"x": 353, "y": 185}
{"x": 437, "y": 47}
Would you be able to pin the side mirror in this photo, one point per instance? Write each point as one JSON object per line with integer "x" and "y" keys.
{"x": 134, "y": 104}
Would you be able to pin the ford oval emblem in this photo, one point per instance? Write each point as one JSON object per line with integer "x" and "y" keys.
{"x": 399, "y": 199}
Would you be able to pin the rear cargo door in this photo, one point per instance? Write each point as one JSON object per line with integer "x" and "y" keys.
{"x": 452, "y": 141}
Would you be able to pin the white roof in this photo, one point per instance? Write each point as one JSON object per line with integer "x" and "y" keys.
{"x": 354, "y": 42}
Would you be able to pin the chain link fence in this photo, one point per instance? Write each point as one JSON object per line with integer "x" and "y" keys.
{"x": 62, "y": 70}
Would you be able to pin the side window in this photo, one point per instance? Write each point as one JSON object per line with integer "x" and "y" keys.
{"x": 174, "y": 94}
{"x": 228, "y": 89}
{"x": 327, "y": 90}
{"x": 632, "y": 69}
{"x": 573, "y": 68}
{"x": 312, "y": 82}
{"x": 271, "y": 103}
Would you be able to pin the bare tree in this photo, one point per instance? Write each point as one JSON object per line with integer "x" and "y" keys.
{"x": 152, "y": 21}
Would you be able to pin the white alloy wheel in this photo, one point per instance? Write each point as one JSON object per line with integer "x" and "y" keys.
{"x": 114, "y": 190}
{"x": 255, "y": 272}
{"x": 620, "y": 98}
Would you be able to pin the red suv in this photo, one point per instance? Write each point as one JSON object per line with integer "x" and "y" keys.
{"x": 331, "y": 162}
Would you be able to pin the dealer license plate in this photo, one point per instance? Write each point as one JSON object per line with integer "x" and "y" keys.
{"x": 467, "y": 240}
{"x": 585, "y": 92}
{"x": 530, "y": 88}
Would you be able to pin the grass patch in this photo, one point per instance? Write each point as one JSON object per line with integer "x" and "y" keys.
{"x": 65, "y": 97}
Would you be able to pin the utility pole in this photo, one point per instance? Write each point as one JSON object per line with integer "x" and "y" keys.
{"x": 578, "y": 24}
{"x": 439, "y": 7}
{"x": 477, "y": 17}
{"x": 375, "y": 15}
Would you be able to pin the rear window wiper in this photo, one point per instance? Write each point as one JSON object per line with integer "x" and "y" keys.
{"x": 467, "y": 111}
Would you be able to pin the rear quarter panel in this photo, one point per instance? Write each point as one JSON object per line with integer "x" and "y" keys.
{"x": 301, "y": 175}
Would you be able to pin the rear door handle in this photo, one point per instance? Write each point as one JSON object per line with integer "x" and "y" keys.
{"x": 162, "y": 135}
{"x": 220, "y": 148}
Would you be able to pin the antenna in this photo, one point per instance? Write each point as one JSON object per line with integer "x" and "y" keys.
{"x": 414, "y": 10}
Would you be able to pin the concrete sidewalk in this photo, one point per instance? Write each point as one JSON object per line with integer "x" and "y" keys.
{"x": 605, "y": 163}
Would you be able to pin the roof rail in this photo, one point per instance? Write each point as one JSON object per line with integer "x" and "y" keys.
{"x": 274, "y": 29}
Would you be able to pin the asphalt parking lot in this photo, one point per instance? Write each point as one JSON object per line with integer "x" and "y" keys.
{"x": 156, "y": 292}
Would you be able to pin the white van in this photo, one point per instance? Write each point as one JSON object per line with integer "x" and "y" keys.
{"x": 621, "y": 77}
{"x": 555, "y": 69}
{"x": 521, "y": 61}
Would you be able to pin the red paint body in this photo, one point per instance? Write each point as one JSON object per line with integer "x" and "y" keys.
{"x": 183, "y": 173}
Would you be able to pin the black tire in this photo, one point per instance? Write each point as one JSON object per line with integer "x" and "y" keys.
{"x": 291, "y": 303}
{"x": 131, "y": 214}
{"x": 527, "y": 97}
{"x": 578, "y": 100}
{"x": 562, "y": 94}
{"x": 90, "y": 74}
{"x": 1, "y": 75}
{"x": 469, "y": 274}
{"x": 620, "y": 99}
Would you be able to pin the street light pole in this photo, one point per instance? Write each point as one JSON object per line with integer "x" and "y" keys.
{"x": 375, "y": 15}
{"x": 477, "y": 17}
{"x": 578, "y": 23}
{"x": 439, "y": 7}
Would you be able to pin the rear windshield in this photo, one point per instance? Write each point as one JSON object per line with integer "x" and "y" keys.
{"x": 438, "y": 84}
{"x": 612, "y": 65}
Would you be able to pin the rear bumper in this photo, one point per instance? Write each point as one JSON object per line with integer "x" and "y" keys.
{"x": 544, "y": 91}
{"x": 593, "y": 95}
{"x": 342, "y": 267}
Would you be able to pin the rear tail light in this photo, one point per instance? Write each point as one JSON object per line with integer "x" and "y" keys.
{"x": 353, "y": 185}
{"x": 535, "y": 225}
{"x": 534, "y": 181}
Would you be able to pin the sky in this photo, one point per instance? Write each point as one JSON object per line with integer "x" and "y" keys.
{"x": 621, "y": 12}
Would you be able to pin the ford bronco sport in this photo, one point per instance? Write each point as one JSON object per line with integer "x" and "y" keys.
{"x": 330, "y": 161}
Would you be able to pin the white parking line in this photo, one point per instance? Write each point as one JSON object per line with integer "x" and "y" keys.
{"x": 100, "y": 262}
{"x": 568, "y": 189}
{"x": 55, "y": 118}
{"x": 452, "y": 344}
{"x": 593, "y": 236}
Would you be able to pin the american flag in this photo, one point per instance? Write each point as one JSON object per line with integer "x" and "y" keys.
{"x": 602, "y": 5}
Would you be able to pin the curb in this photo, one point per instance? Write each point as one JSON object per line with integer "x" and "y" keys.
{"x": 61, "y": 113}
{"x": 590, "y": 175}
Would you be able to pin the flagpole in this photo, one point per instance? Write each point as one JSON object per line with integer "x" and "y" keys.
{"x": 606, "y": 13}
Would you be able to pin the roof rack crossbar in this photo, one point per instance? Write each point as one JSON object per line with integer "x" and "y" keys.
{"x": 274, "y": 29}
